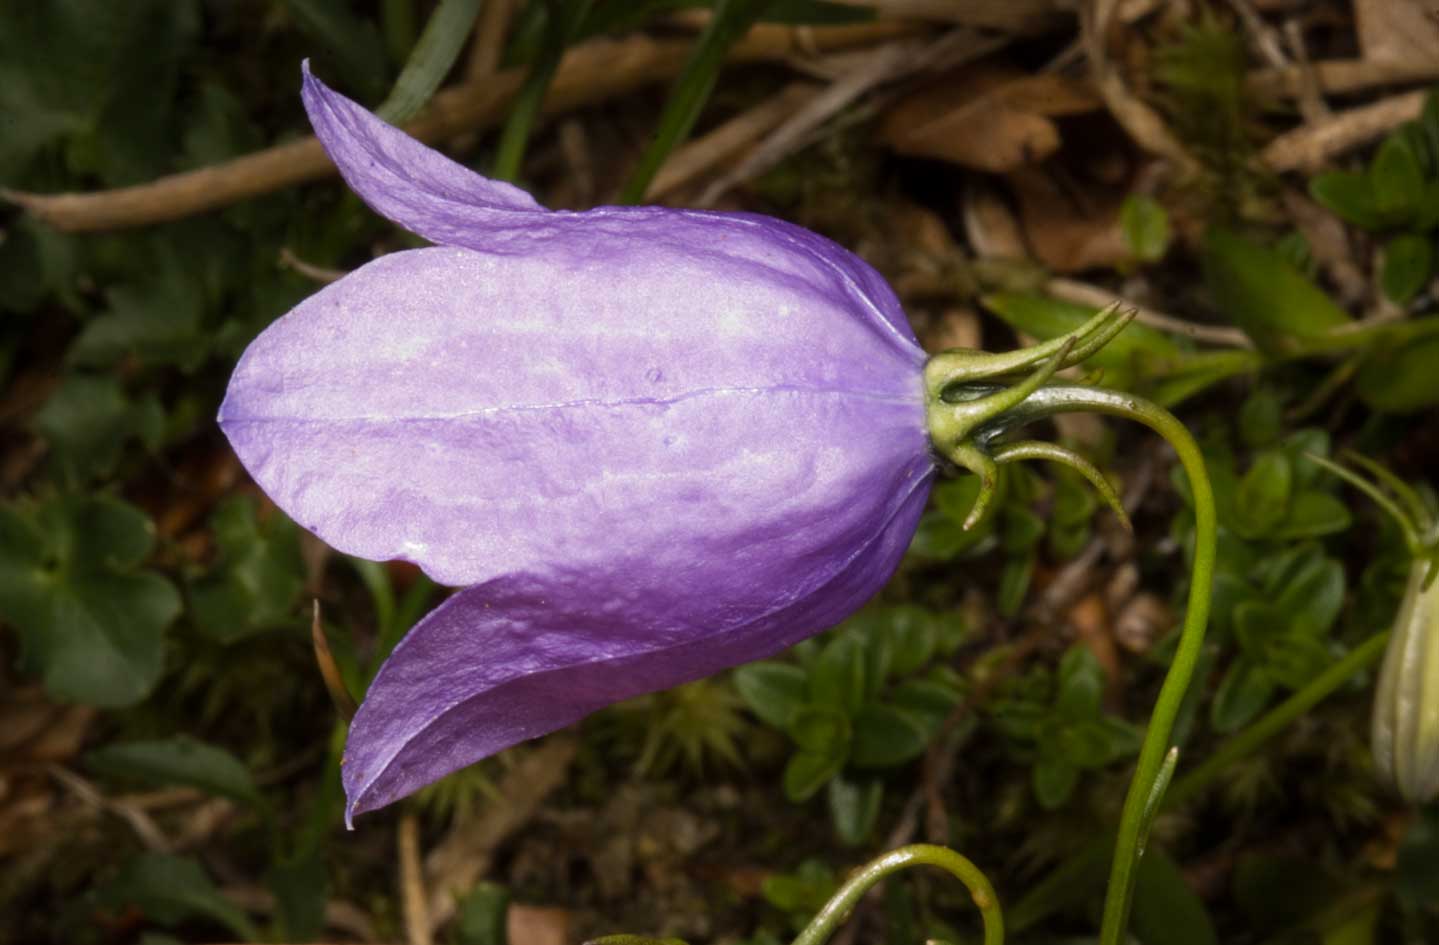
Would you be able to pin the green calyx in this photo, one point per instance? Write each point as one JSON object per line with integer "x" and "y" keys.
{"x": 971, "y": 397}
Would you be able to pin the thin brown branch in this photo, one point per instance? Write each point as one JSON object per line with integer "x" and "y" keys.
{"x": 463, "y": 857}
{"x": 1339, "y": 77}
{"x": 1071, "y": 290}
{"x": 412, "y": 882}
{"x": 592, "y": 72}
{"x": 691, "y": 160}
{"x": 1142, "y": 123}
{"x": 1309, "y": 146}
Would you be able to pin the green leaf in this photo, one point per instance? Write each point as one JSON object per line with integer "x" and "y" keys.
{"x": 1243, "y": 693}
{"x": 1146, "y": 227}
{"x": 1167, "y": 911}
{"x": 1080, "y": 684}
{"x": 482, "y": 914}
{"x": 158, "y": 321}
{"x": 1083, "y": 745}
{"x": 1261, "y": 418}
{"x": 171, "y": 890}
{"x": 913, "y": 638}
{"x": 178, "y": 760}
{"x": 930, "y": 701}
{"x": 256, "y": 578}
{"x": 1256, "y": 624}
{"x": 91, "y": 627}
{"x": 1263, "y": 497}
{"x": 1350, "y": 196}
{"x": 885, "y": 736}
{"x": 1312, "y": 513}
{"x": 1403, "y": 379}
{"x": 1313, "y": 595}
{"x": 854, "y": 808}
{"x": 1053, "y": 779}
{"x": 1022, "y": 529}
{"x": 838, "y": 675}
{"x": 93, "y": 85}
{"x": 301, "y": 888}
{"x": 1263, "y": 293}
{"x": 1396, "y": 179}
{"x": 940, "y": 537}
{"x": 772, "y": 691}
{"x": 820, "y": 730}
{"x": 1014, "y": 582}
{"x": 1408, "y": 264}
{"x": 89, "y": 420}
{"x": 806, "y": 773}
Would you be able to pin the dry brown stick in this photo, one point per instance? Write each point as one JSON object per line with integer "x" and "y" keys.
{"x": 1312, "y": 107}
{"x": 1339, "y": 76}
{"x": 698, "y": 156}
{"x": 489, "y": 42}
{"x": 145, "y": 828}
{"x": 412, "y": 882}
{"x": 288, "y": 260}
{"x": 341, "y": 915}
{"x": 1265, "y": 37}
{"x": 1072, "y": 290}
{"x": 1141, "y": 122}
{"x": 591, "y": 72}
{"x": 1307, "y": 147}
{"x": 885, "y": 64}
{"x": 463, "y": 857}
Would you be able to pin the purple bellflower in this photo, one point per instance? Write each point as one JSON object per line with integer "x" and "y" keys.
{"x": 648, "y": 444}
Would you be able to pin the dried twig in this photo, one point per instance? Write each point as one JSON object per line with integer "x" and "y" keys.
{"x": 463, "y": 857}
{"x": 329, "y": 669}
{"x": 1142, "y": 123}
{"x": 145, "y": 828}
{"x": 289, "y": 260}
{"x": 882, "y": 65}
{"x": 339, "y": 914}
{"x": 412, "y": 882}
{"x": 592, "y": 72}
{"x": 688, "y": 162}
{"x": 491, "y": 31}
{"x": 1309, "y": 146}
{"x": 1266, "y": 39}
{"x": 1339, "y": 76}
{"x": 1071, "y": 290}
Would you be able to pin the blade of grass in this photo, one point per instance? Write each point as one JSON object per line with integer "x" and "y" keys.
{"x": 561, "y": 28}
{"x": 431, "y": 59}
{"x": 731, "y": 20}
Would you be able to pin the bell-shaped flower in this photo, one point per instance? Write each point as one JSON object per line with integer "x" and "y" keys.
{"x": 647, "y": 443}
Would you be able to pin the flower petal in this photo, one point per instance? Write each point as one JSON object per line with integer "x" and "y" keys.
{"x": 524, "y": 655}
{"x": 399, "y": 177}
{"x": 446, "y": 203}
{"x": 672, "y": 410}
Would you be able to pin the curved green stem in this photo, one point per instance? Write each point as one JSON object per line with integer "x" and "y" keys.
{"x": 822, "y": 926}
{"x": 1043, "y": 899}
{"x": 1051, "y": 400}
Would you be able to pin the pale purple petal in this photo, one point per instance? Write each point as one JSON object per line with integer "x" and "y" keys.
{"x": 481, "y": 415}
{"x": 399, "y": 177}
{"x": 524, "y": 655}
{"x": 446, "y": 203}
